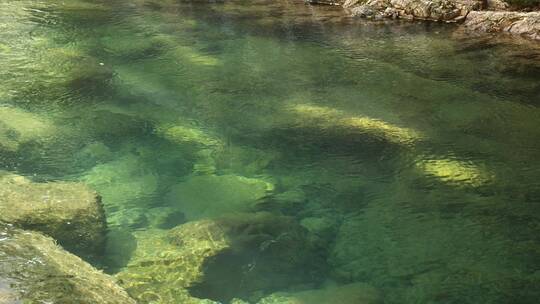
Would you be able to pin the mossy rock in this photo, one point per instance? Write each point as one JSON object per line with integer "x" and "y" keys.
{"x": 69, "y": 212}
{"x": 161, "y": 272}
{"x": 223, "y": 258}
{"x": 34, "y": 269}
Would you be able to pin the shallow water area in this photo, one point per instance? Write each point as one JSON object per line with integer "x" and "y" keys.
{"x": 274, "y": 152}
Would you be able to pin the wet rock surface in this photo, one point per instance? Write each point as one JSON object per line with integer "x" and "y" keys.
{"x": 33, "y": 269}
{"x": 69, "y": 212}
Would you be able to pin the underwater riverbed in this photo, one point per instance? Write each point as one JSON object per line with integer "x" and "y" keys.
{"x": 274, "y": 152}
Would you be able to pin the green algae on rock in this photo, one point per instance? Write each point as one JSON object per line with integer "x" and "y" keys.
{"x": 161, "y": 272}
{"x": 36, "y": 270}
{"x": 246, "y": 252}
{"x": 67, "y": 211}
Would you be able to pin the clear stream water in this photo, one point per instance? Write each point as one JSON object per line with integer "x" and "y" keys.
{"x": 408, "y": 150}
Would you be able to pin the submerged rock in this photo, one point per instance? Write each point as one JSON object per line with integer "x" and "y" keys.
{"x": 199, "y": 143}
{"x": 515, "y": 23}
{"x": 160, "y": 271}
{"x": 185, "y": 134}
{"x": 244, "y": 160}
{"x": 69, "y": 212}
{"x": 214, "y": 195}
{"x": 125, "y": 181}
{"x": 35, "y": 270}
{"x": 355, "y": 293}
{"x": 165, "y": 217}
{"x": 133, "y": 46}
{"x": 18, "y": 127}
{"x": 220, "y": 259}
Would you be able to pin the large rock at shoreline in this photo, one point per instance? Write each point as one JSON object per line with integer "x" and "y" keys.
{"x": 69, "y": 212}
{"x": 33, "y": 269}
{"x": 436, "y": 10}
{"x": 222, "y": 258}
{"x": 515, "y": 23}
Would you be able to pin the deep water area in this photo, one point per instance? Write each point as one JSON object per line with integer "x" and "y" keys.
{"x": 274, "y": 152}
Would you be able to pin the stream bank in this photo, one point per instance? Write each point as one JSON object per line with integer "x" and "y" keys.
{"x": 475, "y": 16}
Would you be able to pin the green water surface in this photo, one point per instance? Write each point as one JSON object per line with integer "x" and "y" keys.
{"x": 408, "y": 152}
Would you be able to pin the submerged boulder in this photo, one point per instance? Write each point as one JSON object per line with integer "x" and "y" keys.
{"x": 354, "y": 293}
{"x": 18, "y": 127}
{"x": 516, "y": 23}
{"x": 123, "y": 182}
{"x": 223, "y": 258}
{"x": 33, "y": 269}
{"x": 69, "y": 212}
{"x": 195, "y": 141}
{"x": 215, "y": 195}
{"x": 165, "y": 264}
